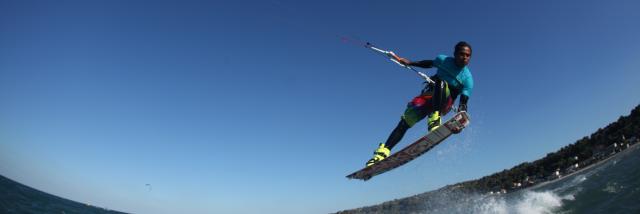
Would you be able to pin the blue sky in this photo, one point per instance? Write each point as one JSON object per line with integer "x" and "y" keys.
{"x": 260, "y": 107}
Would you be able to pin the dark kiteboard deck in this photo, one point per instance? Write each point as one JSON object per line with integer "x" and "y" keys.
{"x": 422, "y": 145}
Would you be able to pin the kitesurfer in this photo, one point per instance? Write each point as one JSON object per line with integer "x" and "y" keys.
{"x": 452, "y": 79}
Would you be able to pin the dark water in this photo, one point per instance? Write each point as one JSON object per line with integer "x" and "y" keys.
{"x": 18, "y": 198}
{"x": 611, "y": 186}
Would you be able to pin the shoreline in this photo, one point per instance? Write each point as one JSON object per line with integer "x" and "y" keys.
{"x": 601, "y": 162}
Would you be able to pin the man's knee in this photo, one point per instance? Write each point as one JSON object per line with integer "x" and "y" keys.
{"x": 408, "y": 120}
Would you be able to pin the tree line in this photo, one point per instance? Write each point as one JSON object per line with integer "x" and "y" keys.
{"x": 586, "y": 151}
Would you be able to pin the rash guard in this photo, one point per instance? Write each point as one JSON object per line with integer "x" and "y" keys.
{"x": 459, "y": 79}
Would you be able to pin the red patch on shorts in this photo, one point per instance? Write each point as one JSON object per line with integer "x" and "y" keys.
{"x": 420, "y": 100}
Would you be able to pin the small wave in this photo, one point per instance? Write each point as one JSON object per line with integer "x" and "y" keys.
{"x": 613, "y": 187}
{"x": 493, "y": 205}
{"x": 527, "y": 203}
{"x": 581, "y": 178}
{"x": 540, "y": 202}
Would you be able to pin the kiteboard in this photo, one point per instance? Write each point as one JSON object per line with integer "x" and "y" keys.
{"x": 454, "y": 125}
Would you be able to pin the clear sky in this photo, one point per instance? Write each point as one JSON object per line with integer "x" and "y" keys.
{"x": 260, "y": 107}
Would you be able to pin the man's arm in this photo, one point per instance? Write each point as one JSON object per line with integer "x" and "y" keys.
{"x": 466, "y": 92}
{"x": 461, "y": 107}
{"x": 423, "y": 64}
{"x": 463, "y": 102}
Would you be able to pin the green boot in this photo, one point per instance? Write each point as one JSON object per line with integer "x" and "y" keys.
{"x": 434, "y": 121}
{"x": 381, "y": 153}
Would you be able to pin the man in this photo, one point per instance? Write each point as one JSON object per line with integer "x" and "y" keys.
{"x": 453, "y": 78}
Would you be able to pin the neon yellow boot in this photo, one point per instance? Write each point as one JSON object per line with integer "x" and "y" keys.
{"x": 434, "y": 121}
{"x": 380, "y": 154}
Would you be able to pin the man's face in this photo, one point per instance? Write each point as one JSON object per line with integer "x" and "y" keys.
{"x": 463, "y": 55}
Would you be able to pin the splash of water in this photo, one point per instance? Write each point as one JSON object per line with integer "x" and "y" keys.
{"x": 528, "y": 203}
{"x": 540, "y": 202}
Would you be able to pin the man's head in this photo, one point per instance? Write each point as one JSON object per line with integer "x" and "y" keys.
{"x": 462, "y": 53}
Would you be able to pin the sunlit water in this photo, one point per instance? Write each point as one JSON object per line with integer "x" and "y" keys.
{"x": 612, "y": 186}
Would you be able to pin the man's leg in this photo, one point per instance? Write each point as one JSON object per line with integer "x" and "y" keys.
{"x": 397, "y": 134}
{"x": 441, "y": 102}
{"x": 416, "y": 110}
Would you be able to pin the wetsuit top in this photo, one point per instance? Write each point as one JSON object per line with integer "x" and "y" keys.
{"x": 459, "y": 79}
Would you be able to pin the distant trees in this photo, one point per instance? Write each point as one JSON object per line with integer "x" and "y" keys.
{"x": 582, "y": 152}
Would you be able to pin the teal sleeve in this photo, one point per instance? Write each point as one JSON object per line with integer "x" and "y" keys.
{"x": 439, "y": 60}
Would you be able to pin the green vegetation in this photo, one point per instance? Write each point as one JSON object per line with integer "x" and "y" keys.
{"x": 586, "y": 151}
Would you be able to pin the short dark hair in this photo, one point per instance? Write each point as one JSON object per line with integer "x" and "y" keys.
{"x": 462, "y": 44}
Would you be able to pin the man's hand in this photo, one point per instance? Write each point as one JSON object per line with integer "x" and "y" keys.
{"x": 400, "y": 59}
{"x": 462, "y": 107}
{"x": 403, "y": 61}
{"x": 463, "y": 103}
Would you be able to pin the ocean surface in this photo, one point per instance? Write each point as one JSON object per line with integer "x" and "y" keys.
{"x": 18, "y": 198}
{"x": 611, "y": 186}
